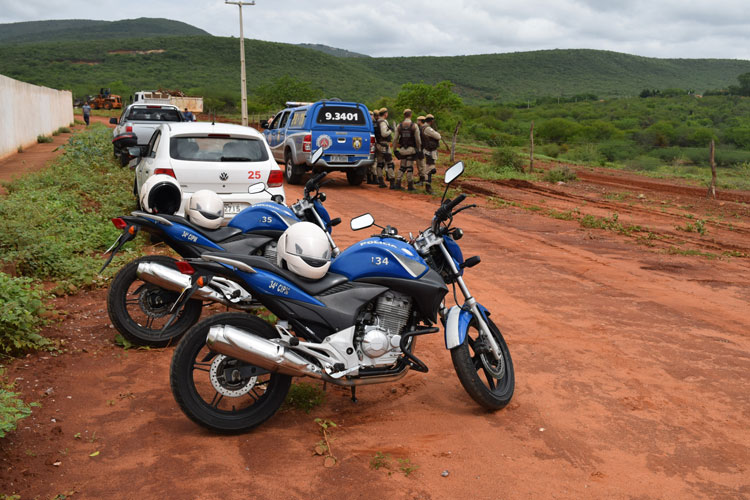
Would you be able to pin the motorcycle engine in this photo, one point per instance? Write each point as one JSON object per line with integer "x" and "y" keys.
{"x": 269, "y": 252}
{"x": 379, "y": 343}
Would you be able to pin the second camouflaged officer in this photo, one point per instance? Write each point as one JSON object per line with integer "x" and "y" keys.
{"x": 430, "y": 142}
{"x": 420, "y": 161}
{"x": 409, "y": 144}
{"x": 383, "y": 156}
{"x": 372, "y": 170}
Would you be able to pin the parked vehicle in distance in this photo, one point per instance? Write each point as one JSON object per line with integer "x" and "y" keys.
{"x": 224, "y": 158}
{"x": 137, "y": 124}
{"x": 343, "y": 129}
{"x": 176, "y": 98}
{"x": 105, "y": 100}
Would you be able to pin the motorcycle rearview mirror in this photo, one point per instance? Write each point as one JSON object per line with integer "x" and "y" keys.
{"x": 361, "y": 222}
{"x": 453, "y": 172}
{"x": 256, "y": 188}
{"x": 317, "y": 155}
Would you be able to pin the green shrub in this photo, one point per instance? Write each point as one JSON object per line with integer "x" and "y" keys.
{"x": 506, "y": 158}
{"x": 63, "y": 130}
{"x": 12, "y": 409}
{"x": 643, "y": 164}
{"x": 21, "y": 303}
{"x": 41, "y": 139}
{"x": 558, "y": 130}
{"x": 304, "y": 396}
{"x": 54, "y": 224}
{"x": 588, "y": 153}
{"x": 551, "y": 150}
{"x": 559, "y": 174}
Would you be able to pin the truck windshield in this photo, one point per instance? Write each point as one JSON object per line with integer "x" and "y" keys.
{"x": 340, "y": 115}
{"x": 217, "y": 149}
{"x": 154, "y": 115}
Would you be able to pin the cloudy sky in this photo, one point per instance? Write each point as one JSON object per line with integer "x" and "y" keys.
{"x": 654, "y": 28}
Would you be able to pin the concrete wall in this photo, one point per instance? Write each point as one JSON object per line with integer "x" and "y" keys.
{"x": 27, "y": 111}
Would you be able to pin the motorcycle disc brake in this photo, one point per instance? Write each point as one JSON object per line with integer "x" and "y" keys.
{"x": 230, "y": 388}
{"x": 154, "y": 302}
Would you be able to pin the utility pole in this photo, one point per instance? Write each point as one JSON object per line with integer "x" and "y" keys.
{"x": 243, "y": 77}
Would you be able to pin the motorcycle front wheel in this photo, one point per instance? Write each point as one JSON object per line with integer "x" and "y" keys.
{"x": 139, "y": 310}
{"x": 489, "y": 382}
{"x": 221, "y": 393}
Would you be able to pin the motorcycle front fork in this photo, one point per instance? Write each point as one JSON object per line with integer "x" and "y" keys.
{"x": 471, "y": 303}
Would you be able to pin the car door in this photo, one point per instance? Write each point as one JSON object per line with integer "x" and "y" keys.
{"x": 147, "y": 163}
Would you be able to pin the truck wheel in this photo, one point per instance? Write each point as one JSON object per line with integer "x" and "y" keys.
{"x": 292, "y": 173}
{"x": 355, "y": 176}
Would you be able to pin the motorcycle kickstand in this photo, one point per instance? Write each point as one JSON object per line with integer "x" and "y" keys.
{"x": 354, "y": 394}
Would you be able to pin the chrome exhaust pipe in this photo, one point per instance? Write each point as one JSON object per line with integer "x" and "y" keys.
{"x": 250, "y": 348}
{"x": 173, "y": 280}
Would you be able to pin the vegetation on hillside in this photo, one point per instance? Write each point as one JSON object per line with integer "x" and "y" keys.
{"x": 85, "y": 29}
{"x": 210, "y": 64}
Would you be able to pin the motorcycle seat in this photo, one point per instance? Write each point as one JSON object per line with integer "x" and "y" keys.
{"x": 215, "y": 235}
{"x": 311, "y": 287}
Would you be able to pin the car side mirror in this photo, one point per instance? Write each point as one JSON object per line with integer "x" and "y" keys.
{"x": 135, "y": 151}
{"x": 113, "y": 121}
{"x": 264, "y": 124}
{"x": 361, "y": 222}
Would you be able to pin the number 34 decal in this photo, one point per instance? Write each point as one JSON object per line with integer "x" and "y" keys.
{"x": 378, "y": 261}
{"x": 253, "y": 174}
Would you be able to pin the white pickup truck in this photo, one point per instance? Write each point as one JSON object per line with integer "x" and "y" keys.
{"x": 192, "y": 104}
{"x": 137, "y": 124}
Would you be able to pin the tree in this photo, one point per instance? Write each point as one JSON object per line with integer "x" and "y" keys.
{"x": 423, "y": 98}
{"x": 744, "y": 80}
{"x": 286, "y": 88}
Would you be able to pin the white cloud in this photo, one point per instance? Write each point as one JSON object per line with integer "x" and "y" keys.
{"x": 664, "y": 28}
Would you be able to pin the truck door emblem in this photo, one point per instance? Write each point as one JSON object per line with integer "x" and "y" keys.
{"x": 323, "y": 141}
{"x": 223, "y": 176}
{"x": 356, "y": 142}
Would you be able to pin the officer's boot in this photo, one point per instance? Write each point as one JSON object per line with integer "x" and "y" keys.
{"x": 381, "y": 182}
{"x": 371, "y": 178}
{"x": 428, "y": 187}
{"x": 410, "y": 186}
{"x": 393, "y": 183}
{"x": 398, "y": 185}
{"x": 420, "y": 181}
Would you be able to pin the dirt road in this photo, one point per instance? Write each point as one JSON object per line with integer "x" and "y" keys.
{"x": 632, "y": 364}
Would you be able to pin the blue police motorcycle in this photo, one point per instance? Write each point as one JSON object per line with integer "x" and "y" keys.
{"x": 357, "y": 325}
{"x": 143, "y": 291}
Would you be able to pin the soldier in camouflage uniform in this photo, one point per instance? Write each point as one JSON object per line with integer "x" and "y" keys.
{"x": 407, "y": 144}
{"x": 430, "y": 142}
{"x": 420, "y": 161}
{"x": 372, "y": 170}
{"x": 383, "y": 156}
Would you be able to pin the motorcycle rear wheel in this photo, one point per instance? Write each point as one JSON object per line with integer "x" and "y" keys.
{"x": 201, "y": 389}
{"x": 489, "y": 382}
{"x": 139, "y": 310}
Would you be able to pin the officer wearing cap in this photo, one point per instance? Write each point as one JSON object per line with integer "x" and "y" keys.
{"x": 383, "y": 156}
{"x": 407, "y": 145}
{"x": 430, "y": 142}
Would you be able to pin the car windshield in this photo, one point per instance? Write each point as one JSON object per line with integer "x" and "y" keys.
{"x": 154, "y": 115}
{"x": 217, "y": 149}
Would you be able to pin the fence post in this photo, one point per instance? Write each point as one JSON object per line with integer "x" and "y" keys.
{"x": 531, "y": 149}
{"x": 453, "y": 144}
{"x": 712, "y": 188}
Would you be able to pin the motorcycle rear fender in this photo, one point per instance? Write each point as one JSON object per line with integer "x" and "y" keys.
{"x": 457, "y": 324}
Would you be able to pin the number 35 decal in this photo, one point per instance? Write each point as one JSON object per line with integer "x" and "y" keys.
{"x": 253, "y": 174}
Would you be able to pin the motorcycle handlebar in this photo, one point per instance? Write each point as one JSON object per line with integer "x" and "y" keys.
{"x": 313, "y": 182}
{"x": 452, "y": 204}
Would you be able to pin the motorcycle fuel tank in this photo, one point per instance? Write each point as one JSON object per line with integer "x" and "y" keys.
{"x": 265, "y": 216}
{"x": 381, "y": 257}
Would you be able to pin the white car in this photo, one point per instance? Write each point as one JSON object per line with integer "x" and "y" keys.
{"x": 224, "y": 158}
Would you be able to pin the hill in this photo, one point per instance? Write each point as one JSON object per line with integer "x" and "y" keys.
{"x": 210, "y": 64}
{"x": 333, "y": 51}
{"x": 84, "y": 29}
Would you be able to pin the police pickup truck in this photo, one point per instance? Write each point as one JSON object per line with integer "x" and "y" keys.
{"x": 343, "y": 129}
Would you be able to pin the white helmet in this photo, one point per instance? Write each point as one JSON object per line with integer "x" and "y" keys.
{"x": 305, "y": 250}
{"x": 161, "y": 194}
{"x": 206, "y": 209}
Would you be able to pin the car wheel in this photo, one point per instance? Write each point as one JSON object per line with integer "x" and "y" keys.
{"x": 355, "y": 176}
{"x": 292, "y": 173}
